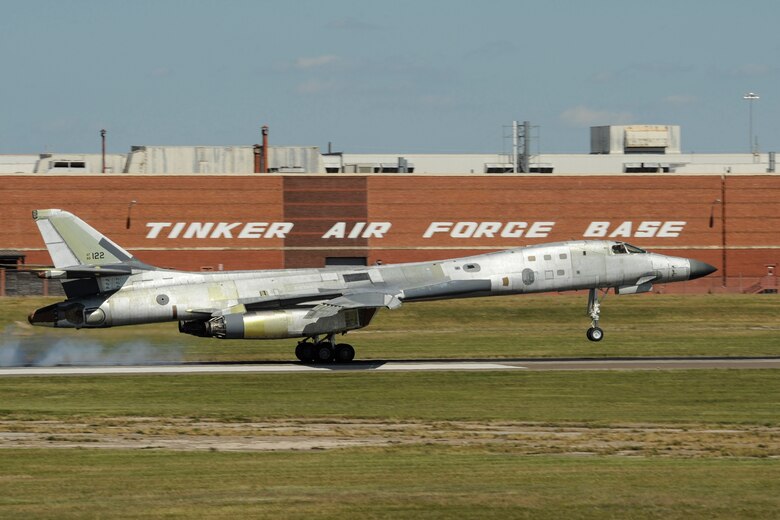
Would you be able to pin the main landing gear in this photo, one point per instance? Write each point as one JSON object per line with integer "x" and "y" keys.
{"x": 314, "y": 350}
{"x": 594, "y": 309}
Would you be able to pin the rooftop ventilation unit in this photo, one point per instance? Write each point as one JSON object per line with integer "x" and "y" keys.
{"x": 635, "y": 139}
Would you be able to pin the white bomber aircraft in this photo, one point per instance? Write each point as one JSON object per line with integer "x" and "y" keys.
{"x": 106, "y": 286}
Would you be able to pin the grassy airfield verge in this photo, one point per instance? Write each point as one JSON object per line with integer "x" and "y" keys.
{"x": 515, "y": 444}
{"x": 513, "y": 326}
{"x": 392, "y": 483}
{"x": 748, "y": 397}
{"x": 645, "y": 444}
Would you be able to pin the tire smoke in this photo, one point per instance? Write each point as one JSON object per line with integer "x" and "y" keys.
{"x": 20, "y": 348}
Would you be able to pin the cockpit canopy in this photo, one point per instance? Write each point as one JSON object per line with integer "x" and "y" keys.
{"x": 622, "y": 248}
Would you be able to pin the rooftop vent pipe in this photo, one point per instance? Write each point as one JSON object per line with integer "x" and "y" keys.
{"x": 258, "y": 150}
{"x": 264, "y": 162}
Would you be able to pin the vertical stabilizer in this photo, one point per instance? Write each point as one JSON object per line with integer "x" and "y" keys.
{"x": 73, "y": 242}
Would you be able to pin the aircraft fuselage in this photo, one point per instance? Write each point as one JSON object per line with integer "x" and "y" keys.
{"x": 192, "y": 298}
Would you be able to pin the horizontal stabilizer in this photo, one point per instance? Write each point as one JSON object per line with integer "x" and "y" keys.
{"x": 86, "y": 271}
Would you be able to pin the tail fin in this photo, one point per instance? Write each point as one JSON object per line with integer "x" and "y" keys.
{"x": 72, "y": 242}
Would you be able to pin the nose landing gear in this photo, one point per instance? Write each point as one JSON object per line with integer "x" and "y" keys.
{"x": 594, "y": 310}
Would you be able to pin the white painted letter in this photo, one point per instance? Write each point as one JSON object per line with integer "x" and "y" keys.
{"x": 671, "y": 229}
{"x": 223, "y": 230}
{"x": 176, "y": 229}
{"x": 356, "y": 229}
{"x": 647, "y": 229}
{"x": 463, "y": 230}
{"x": 337, "y": 231}
{"x": 278, "y": 230}
{"x": 376, "y": 229}
{"x": 437, "y": 227}
{"x": 198, "y": 230}
{"x": 156, "y": 228}
{"x": 540, "y": 229}
{"x": 253, "y": 230}
{"x": 487, "y": 229}
{"x": 514, "y": 229}
{"x": 623, "y": 230}
{"x": 596, "y": 229}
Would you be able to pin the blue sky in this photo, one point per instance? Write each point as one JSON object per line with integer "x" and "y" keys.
{"x": 384, "y": 76}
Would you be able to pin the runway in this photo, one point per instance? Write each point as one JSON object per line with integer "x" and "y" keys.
{"x": 574, "y": 364}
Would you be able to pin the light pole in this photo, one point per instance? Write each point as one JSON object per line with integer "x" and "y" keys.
{"x": 129, "y": 208}
{"x": 750, "y": 97}
{"x": 103, "y": 148}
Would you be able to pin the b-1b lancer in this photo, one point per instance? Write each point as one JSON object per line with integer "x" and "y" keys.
{"x": 106, "y": 286}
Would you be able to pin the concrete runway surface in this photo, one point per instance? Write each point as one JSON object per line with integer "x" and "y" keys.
{"x": 409, "y": 366}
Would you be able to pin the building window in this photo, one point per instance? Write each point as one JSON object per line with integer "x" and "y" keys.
{"x": 646, "y": 168}
{"x": 346, "y": 260}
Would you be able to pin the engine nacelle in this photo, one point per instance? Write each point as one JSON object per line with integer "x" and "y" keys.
{"x": 70, "y": 315}
{"x": 277, "y": 324}
{"x": 634, "y": 289}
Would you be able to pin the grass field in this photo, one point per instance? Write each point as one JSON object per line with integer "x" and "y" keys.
{"x": 515, "y": 444}
{"x": 388, "y": 483}
{"x": 669, "y": 397}
{"x": 692, "y": 444}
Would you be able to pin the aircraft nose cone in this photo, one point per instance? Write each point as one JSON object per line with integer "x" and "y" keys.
{"x": 699, "y": 269}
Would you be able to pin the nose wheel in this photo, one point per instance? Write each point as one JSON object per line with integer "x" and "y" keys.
{"x": 595, "y": 334}
{"x": 594, "y": 311}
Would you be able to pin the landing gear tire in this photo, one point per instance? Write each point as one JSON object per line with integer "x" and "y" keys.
{"x": 344, "y": 353}
{"x": 323, "y": 353}
{"x": 595, "y": 334}
{"x": 305, "y": 352}
{"x": 594, "y": 311}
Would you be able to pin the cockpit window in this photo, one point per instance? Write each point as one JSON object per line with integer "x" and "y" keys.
{"x": 621, "y": 248}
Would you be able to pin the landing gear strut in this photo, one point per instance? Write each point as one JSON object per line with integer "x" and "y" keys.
{"x": 314, "y": 350}
{"x": 594, "y": 309}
